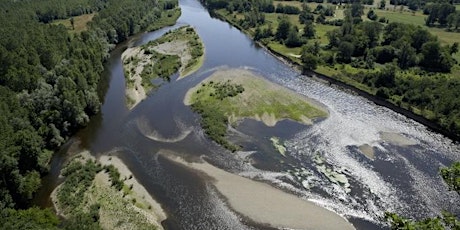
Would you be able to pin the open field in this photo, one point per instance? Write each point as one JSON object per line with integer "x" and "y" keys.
{"x": 80, "y": 22}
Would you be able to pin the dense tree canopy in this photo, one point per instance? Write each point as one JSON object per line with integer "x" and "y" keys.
{"x": 49, "y": 79}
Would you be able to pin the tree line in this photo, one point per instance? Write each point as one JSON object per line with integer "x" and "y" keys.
{"x": 49, "y": 80}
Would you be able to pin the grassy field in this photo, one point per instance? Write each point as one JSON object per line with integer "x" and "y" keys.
{"x": 80, "y": 23}
{"x": 403, "y": 17}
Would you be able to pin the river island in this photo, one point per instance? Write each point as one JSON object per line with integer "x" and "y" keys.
{"x": 230, "y": 95}
{"x": 180, "y": 50}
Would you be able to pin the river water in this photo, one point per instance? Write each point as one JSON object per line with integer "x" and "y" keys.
{"x": 401, "y": 178}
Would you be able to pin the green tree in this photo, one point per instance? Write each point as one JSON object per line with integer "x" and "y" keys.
{"x": 309, "y": 61}
{"x": 309, "y": 30}
{"x": 293, "y": 39}
{"x": 345, "y": 51}
{"x": 32, "y": 218}
{"x": 382, "y": 4}
{"x": 451, "y": 176}
{"x": 446, "y": 220}
{"x": 283, "y": 29}
{"x": 434, "y": 58}
{"x": 372, "y": 15}
{"x": 407, "y": 56}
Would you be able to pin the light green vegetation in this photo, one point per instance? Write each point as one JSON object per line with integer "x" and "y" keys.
{"x": 401, "y": 16}
{"x": 231, "y": 95}
{"x": 279, "y": 146}
{"x": 79, "y": 24}
{"x": 96, "y": 197}
{"x": 334, "y": 176}
{"x": 297, "y": 4}
{"x": 192, "y": 52}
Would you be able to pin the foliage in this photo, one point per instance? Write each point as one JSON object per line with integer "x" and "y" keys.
{"x": 79, "y": 176}
{"x": 49, "y": 79}
{"x": 114, "y": 177}
{"x": 213, "y": 119}
{"x": 32, "y": 218}
{"x": 451, "y": 176}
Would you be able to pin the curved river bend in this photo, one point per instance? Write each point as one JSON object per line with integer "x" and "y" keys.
{"x": 402, "y": 177}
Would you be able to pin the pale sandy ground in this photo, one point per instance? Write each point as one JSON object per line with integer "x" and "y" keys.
{"x": 254, "y": 82}
{"x": 136, "y": 93}
{"x": 179, "y": 48}
{"x": 156, "y": 213}
{"x": 117, "y": 211}
{"x": 392, "y": 138}
{"x": 368, "y": 151}
{"x": 396, "y": 139}
{"x": 265, "y": 204}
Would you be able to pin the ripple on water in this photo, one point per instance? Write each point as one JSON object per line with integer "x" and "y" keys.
{"x": 354, "y": 121}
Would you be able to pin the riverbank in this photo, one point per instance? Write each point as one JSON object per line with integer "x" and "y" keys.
{"x": 179, "y": 50}
{"x": 263, "y": 203}
{"x": 106, "y": 192}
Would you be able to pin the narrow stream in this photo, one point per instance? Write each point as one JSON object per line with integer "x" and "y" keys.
{"x": 402, "y": 177}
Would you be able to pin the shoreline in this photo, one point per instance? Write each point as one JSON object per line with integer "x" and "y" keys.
{"x": 263, "y": 203}
{"x": 431, "y": 125}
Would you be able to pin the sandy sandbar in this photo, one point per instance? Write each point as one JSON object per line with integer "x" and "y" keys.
{"x": 265, "y": 204}
{"x": 397, "y": 139}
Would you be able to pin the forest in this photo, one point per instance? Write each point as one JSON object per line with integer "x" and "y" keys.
{"x": 49, "y": 79}
{"x": 412, "y": 65}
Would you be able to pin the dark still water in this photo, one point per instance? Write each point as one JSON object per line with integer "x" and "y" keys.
{"x": 403, "y": 176}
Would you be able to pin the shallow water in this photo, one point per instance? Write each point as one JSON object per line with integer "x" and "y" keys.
{"x": 403, "y": 179}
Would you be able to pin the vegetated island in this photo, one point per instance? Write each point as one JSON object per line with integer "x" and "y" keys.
{"x": 104, "y": 194}
{"x": 179, "y": 50}
{"x": 228, "y": 96}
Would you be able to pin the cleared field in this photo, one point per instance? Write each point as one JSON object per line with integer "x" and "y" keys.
{"x": 288, "y": 3}
{"x": 403, "y": 17}
{"x": 80, "y": 22}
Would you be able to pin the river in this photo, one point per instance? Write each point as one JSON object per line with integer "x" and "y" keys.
{"x": 402, "y": 177}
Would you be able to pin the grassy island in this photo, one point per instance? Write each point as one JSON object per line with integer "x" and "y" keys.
{"x": 228, "y": 96}
{"x": 179, "y": 50}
